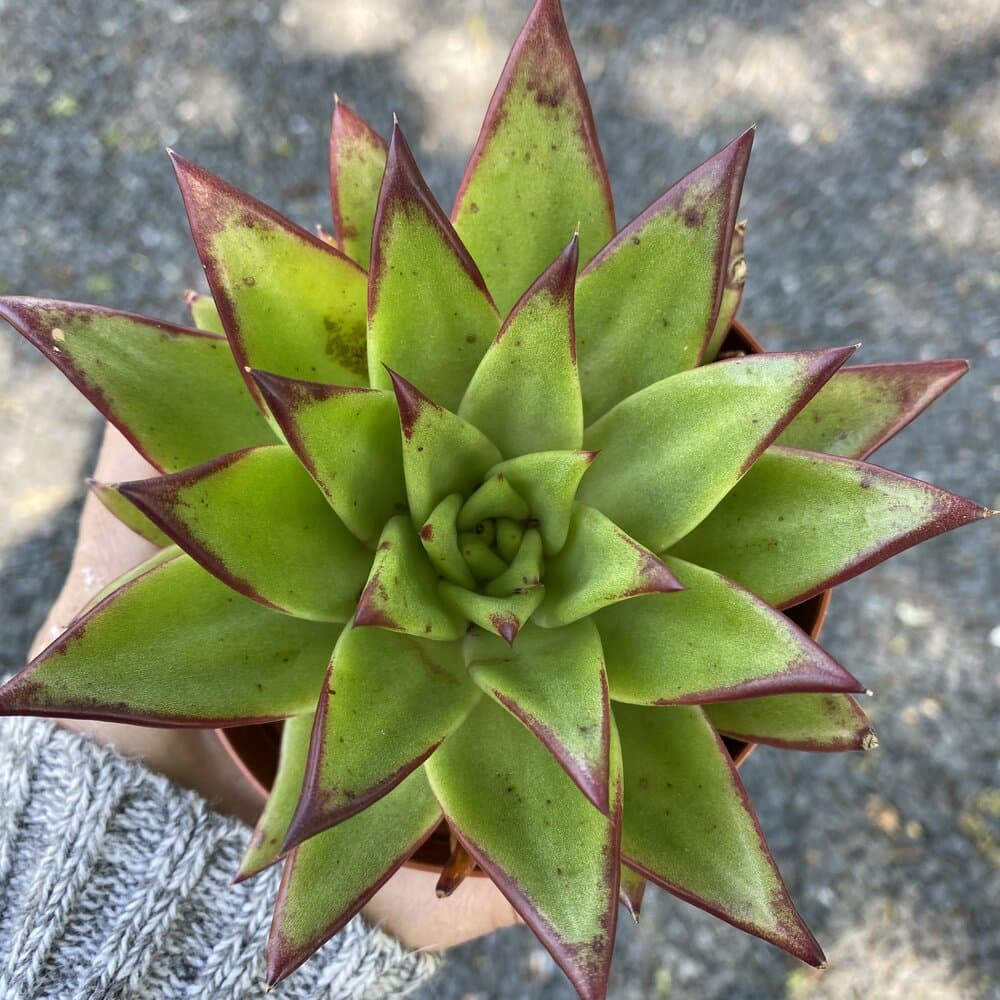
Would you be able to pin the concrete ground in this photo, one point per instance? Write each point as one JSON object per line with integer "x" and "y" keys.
{"x": 872, "y": 201}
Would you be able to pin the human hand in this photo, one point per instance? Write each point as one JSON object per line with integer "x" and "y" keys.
{"x": 406, "y": 906}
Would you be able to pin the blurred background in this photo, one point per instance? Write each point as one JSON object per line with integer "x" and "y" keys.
{"x": 874, "y": 215}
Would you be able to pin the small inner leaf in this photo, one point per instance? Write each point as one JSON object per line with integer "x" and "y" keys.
{"x": 401, "y": 593}
{"x": 442, "y": 453}
{"x": 599, "y": 565}
{"x": 440, "y": 541}
{"x": 503, "y": 616}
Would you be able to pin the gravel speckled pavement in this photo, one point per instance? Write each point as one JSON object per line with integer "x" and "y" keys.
{"x": 873, "y": 207}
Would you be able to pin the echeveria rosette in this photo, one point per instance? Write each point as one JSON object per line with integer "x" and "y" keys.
{"x": 469, "y": 503}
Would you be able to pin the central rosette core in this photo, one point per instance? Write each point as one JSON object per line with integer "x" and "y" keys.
{"x": 488, "y": 542}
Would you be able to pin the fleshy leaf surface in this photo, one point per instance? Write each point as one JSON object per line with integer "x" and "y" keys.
{"x": 800, "y": 522}
{"x": 268, "y": 837}
{"x": 430, "y": 316}
{"x": 646, "y": 305}
{"x": 796, "y": 722}
{"x": 689, "y": 827}
{"x": 552, "y": 680}
{"x": 732, "y": 294}
{"x": 672, "y": 451}
{"x": 599, "y": 565}
{"x": 290, "y": 303}
{"x": 257, "y": 521}
{"x": 503, "y": 616}
{"x": 442, "y": 453}
{"x": 633, "y": 888}
{"x": 232, "y": 662}
{"x": 388, "y": 702}
{"x": 439, "y": 538}
{"x": 525, "y": 394}
{"x": 357, "y": 161}
{"x": 336, "y": 431}
{"x": 551, "y": 853}
{"x": 204, "y": 315}
{"x": 127, "y": 513}
{"x": 537, "y": 171}
{"x": 713, "y": 641}
{"x": 548, "y": 481}
{"x": 863, "y": 406}
{"x": 173, "y": 392}
{"x": 402, "y": 590}
{"x": 329, "y": 878}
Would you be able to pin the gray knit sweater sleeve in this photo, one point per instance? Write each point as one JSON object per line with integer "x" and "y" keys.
{"x": 116, "y": 884}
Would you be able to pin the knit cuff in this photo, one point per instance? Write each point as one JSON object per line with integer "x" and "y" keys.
{"x": 116, "y": 883}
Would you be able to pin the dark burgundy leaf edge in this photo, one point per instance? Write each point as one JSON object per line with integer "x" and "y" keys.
{"x": 22, "y": 313}
{"x": 403, "y": 188}
{"x": 800, "y": 941}
{"x": 16, "y": 694}
{"x": 543, "y": 38}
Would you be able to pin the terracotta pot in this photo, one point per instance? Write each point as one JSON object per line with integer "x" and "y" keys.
{"x": 255, "y": 748}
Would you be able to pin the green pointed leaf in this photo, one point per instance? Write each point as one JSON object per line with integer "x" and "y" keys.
{"x": 525, "y": 394}
{"x": 796, "y": 722}
{"x": 329, "y": 878}
{"x": 862, "y": 407}
{"x": 548, "y": 481}
{"x": 633, "y": 888}
{"x": 537, "y": 171}
{"x": 268, "y": 837}
{"x": 552, "y": 680}
{"x": 174, "y": 393}
{"x": 484, "y": 563}
{"x": 439, "y": 538}
{"x": 442, "y": 454}
{"x": 689, "y": 826}
{"x": 388, "y": 701}
{"x": 357, "y": 161}
{"x": 552, "y": 854}
{"x": 671, "y": 452}
{"x": 647, "y": 304}
{"x": 402, "y": 593}
{"x": 494, "y": 499}
{"x": 430, "y": 316}
{"x": 204, "y": 315}
{"x": 599, "y": 565}
{"x": 127, "y": 513}
{"x": 799, "y": 523}
{"x": 503, "y": 616}
{"x": 163, "y": 555}
{"x": 525, "y": 569}
{"x": 232, "y": 662}
{"x": 259, "y": 523}
{"x": 714, "y": 641}
{"x": 290, "y": 303}
{"x": 732, "y": 294}
{"x": 336, "y": 431}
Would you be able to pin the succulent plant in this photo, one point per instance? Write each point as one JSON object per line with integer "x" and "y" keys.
{"x": 476, "y": 507}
